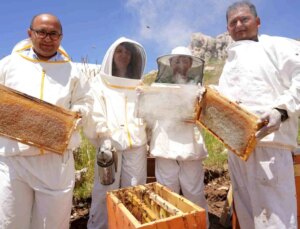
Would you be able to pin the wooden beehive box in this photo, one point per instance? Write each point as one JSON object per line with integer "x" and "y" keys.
{"x": 152, "y": 206}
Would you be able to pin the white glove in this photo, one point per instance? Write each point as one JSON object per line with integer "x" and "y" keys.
{"x": 107, "y": 145}
{"x": 200, "y": 92}
{"x": 107, "y": 152}
{"x": 75, "y": 141}
{"x": 78, "y": 124}
{"x": 273, "y": 118}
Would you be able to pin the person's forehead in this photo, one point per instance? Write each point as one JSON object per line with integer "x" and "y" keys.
{"x": 180, "y": 57}
{"x": 46, "y": 21}
{"x": 239, "y": 11}
{"x": 123, "y": 47}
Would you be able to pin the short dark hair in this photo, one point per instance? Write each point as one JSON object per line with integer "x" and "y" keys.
{"x": 241, "y": 4}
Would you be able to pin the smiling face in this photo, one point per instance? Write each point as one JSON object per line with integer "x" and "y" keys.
{"x": 181, "y": 64}
{"x": 122, "y": 58}
{"x": 242, "y": 24}
{"x": 46, "y": 47}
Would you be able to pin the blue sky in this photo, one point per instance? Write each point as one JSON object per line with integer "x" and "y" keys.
{"x": 159, "y": 25}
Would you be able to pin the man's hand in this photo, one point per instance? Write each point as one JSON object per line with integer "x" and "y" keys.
{"x": 273, "y": 118}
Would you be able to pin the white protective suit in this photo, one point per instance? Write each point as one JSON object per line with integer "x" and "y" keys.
{"x": 113, "y": 117}
{"x": 37, "y": 186}
{"x": 260, "y": 76}
{"x": 179, "y": 150}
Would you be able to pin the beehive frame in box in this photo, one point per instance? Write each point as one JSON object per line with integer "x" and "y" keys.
{"x": 152, "y": 206}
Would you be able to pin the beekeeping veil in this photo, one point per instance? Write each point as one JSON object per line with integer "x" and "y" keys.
{"x": 180, "y": 67}
{"x": 138, "y": 58}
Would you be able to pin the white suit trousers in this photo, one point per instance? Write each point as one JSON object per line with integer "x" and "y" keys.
{"x": 132, "y": 171}
{"x": 41, "y": 185}
{"x": 185, "y": 175}
{"x": 264, "y": 189}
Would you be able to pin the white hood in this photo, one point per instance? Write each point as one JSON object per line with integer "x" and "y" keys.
{"x": 115, "y": 102}
{"x": 106, "y": 67}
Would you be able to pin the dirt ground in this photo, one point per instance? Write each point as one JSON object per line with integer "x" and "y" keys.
{"x": 217, "y": 184}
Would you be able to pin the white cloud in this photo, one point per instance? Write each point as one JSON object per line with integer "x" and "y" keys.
{"x": 169, "y": 23}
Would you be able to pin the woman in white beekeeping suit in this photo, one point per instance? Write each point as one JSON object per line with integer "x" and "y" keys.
{"x": 113, "y": 116}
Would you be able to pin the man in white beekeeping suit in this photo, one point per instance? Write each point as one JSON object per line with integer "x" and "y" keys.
{"x": 176, "y": 144}
{"x": 37, "y": 185}
{"x": 114, "y": 121}
{"x": 262, "y": 74}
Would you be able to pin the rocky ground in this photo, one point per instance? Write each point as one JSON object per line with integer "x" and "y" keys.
{"x": 216, "y": 188}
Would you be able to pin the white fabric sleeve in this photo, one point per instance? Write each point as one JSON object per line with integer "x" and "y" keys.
{"x": 81, "y": 97}
{"x": 96, "y": 127}
{"x": 289, "y": 65}
{"x": 3, "y": 64}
